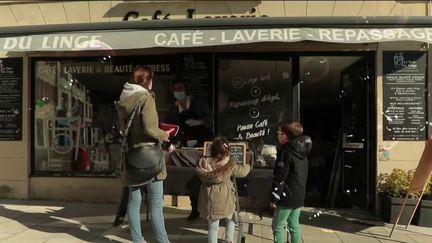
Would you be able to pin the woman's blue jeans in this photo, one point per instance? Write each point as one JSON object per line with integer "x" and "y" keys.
{"x": 155, "y": 192}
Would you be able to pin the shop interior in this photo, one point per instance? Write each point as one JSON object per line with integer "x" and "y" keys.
{"x": 335, "y": 96}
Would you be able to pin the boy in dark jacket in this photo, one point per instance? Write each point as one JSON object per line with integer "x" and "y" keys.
{"x": 289, "y": 180}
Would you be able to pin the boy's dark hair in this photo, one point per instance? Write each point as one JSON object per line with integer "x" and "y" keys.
{"x": 219, "y": 147}
{"x": 291, "y": 129}
{"x": 148, "y": 74}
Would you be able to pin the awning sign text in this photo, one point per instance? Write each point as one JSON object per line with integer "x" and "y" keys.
{"x": 137, "y": 39}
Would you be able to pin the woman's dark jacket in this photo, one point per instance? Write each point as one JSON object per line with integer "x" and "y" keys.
{"x": 198, "y": 110}
{"x": 290, "y": 173}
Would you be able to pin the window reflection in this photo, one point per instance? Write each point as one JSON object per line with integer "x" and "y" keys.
{"x": 76, "y": 130}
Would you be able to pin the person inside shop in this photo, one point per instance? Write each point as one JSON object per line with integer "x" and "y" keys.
{"x": 289, "y": 180}
{"x": 138, "y": 89}
{"x": 216, "y": 197}
{"x": 195, "y": 119}
{"x": 193, "y": 115}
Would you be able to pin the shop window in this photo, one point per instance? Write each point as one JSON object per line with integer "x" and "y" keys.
{"x": 254, "y": 95}
{"x": 75, "y": 127}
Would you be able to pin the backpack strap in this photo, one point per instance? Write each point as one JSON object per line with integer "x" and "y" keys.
{"x": 131, "y": 117}
{"x": 124, "y": 147}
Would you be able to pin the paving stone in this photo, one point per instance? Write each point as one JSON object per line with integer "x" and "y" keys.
{"x": 5, "y": 236}
{"x": 30, "y": 235}
{"x": 349, "y": 237}
{"x": 12, "y": 227}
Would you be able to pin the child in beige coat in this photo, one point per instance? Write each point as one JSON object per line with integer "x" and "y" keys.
{"x": 217, "y": 192}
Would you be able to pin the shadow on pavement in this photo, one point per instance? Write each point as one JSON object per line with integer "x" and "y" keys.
{"x": 361, "y": 223}
{"x": 89, "y": 222}
{"x": 336, "y": 222}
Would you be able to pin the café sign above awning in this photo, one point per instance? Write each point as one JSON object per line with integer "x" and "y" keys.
{"x": 200, "y": 36}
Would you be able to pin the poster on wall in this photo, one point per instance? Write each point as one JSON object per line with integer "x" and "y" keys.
{"x": 11, "y": 82}
{"x": 404, "y": 95}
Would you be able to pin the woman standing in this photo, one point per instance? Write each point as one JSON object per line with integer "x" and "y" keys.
{"x": 147, "y": 133}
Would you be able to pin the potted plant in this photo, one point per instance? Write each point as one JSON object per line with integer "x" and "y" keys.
{"x": 392, "y": 188}
{"x": 424, "y": 211}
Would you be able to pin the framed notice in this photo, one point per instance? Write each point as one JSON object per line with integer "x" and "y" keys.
{"x": 237, "y": 151}
{"x": 404, "y": 95}
{"x": 11, "y": 85}
{"x": 207, "y": 146}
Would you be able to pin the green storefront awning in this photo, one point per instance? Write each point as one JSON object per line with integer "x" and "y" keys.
{"x": 212, "y": 32}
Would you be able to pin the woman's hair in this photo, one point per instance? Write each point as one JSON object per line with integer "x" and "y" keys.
{"x": 145, "y": 77}
{"x": 219, "y": 147}
{"x": 291, "y": 129}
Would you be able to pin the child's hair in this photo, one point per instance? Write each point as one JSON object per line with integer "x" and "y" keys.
{"x": 291, "y": 129}
{"x": 219, "y": 147}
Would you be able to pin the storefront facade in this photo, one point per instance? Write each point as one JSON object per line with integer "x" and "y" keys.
{"x": 254, "y": 70}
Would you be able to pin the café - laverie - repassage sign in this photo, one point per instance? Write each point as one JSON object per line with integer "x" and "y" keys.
{"x": 136, "y": 39}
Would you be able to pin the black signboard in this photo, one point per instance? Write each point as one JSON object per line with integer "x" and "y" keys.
{"x": 11, "y": 84}
{"x": 404, "y": 95}
{"x": 253, "y": 97}
{"x": 237, "y": 151}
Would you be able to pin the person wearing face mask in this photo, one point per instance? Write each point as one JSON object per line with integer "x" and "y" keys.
{"x": 193, "y": 115}
{"x": 195, "y": 119}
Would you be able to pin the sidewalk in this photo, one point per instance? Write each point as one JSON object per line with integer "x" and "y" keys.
{"x": 54, "y": 222}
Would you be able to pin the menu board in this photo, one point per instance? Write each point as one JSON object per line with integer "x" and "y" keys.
{"x": 404, "y": 95}
{"x": 237, "y": 151}
{"x": 253, "y": 97}
{"x": 11, "y": 84}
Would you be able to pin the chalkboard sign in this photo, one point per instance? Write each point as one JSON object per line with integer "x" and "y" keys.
{"x": 207, "y": 146}
{"x": 237, "y": 151}
{"x": 11, "y": 84}
{"x": 254, "y": 96}
{"x": 404, "y": 95}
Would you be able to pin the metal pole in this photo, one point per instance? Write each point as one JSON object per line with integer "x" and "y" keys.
{"x": 240, "y": 234}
